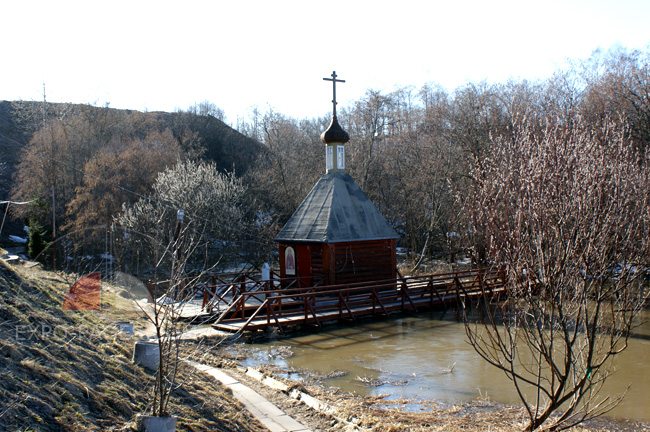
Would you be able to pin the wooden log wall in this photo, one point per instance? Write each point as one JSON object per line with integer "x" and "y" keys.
{"x": 362, "y": 261}
{"x": 318, "y": 271}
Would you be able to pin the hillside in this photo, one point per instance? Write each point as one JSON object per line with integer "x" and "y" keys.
{"x": 19, "y": 120}
{"x": 65, "y": 370}
{"x": 92, "y": 133}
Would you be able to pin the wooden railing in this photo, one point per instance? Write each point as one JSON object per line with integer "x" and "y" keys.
{"x": 219, "y": 294}
{"x": 312, "y": 305}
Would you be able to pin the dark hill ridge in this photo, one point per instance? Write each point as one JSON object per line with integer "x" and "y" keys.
{"x": 19, "y": 120}
{"x": 227, "y": 147}
{"x": 15, "y": 133}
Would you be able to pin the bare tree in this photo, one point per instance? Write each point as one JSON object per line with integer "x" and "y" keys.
{"x": 617, "y": 82}
{"x": 71, "y": 151}
{"x": 368, "y": 125}
{"x": 119, "y": 174}
{"x": 207, "y": 108}
{"x": 567, "y": 211}
{"x": 213, "y": 204}
{"x": 167, "y": 311}
{"x": 180, "y": 231}
{"x": 290, "y": 164}
{"x": 176, "y": 259}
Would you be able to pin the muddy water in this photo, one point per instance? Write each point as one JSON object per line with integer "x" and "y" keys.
{"x": 412, "y": 357}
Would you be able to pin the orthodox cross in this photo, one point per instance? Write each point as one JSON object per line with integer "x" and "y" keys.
{"x": 334, "y": 81}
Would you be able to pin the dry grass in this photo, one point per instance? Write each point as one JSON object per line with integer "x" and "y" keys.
{"x": 71, "y": 370}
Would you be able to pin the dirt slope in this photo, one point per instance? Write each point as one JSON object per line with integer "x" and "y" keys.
{"x": 64, "y": 370}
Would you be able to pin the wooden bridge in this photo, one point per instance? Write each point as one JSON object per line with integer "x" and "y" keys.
{"x": 248, "y": 304}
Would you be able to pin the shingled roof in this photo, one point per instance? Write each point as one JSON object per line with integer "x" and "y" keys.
{"x": 336, "y": 210}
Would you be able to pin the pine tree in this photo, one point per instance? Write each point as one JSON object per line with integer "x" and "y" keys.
{"x": 36, "y": 243}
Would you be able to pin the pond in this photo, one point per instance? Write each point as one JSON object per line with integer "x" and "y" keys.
{"x": 427, "y": 357}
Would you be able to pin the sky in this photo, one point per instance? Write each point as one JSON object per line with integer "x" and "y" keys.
{"x": 238, "y": 54}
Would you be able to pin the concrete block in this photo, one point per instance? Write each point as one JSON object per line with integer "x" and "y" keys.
{"x": 146, "y": 354}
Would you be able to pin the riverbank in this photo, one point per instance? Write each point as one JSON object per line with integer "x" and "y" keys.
{"x": 72, "y": 370}
{"x": 378, "y": 412}
{"x": 104, "y": 390}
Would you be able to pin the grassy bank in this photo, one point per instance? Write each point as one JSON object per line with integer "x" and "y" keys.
{"x": 72, "y": 370}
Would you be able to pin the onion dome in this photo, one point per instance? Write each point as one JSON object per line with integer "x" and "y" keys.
{"x": 335, "y": 133}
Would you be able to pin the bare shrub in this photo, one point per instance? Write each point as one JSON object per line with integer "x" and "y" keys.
{"x": 567, "y": 209}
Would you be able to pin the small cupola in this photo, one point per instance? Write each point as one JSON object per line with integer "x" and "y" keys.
{"x": 334, "y": 137}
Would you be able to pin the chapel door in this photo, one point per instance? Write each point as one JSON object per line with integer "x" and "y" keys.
{"x": 303, "y": 261}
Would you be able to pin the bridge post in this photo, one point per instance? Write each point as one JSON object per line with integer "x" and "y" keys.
{"x": 458, "y": 302}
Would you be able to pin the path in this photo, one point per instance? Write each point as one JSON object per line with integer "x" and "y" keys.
{"x": 268, "y": 414}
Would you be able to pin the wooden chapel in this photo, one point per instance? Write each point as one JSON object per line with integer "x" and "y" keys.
{"x": 337, "y": 235}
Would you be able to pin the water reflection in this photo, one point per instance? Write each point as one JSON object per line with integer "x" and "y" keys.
{"x": 412, "y": 357}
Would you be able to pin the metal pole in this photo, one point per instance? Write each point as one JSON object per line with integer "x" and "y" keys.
{"x": 53, "y": 230}
{"x": 176, "y": 252}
